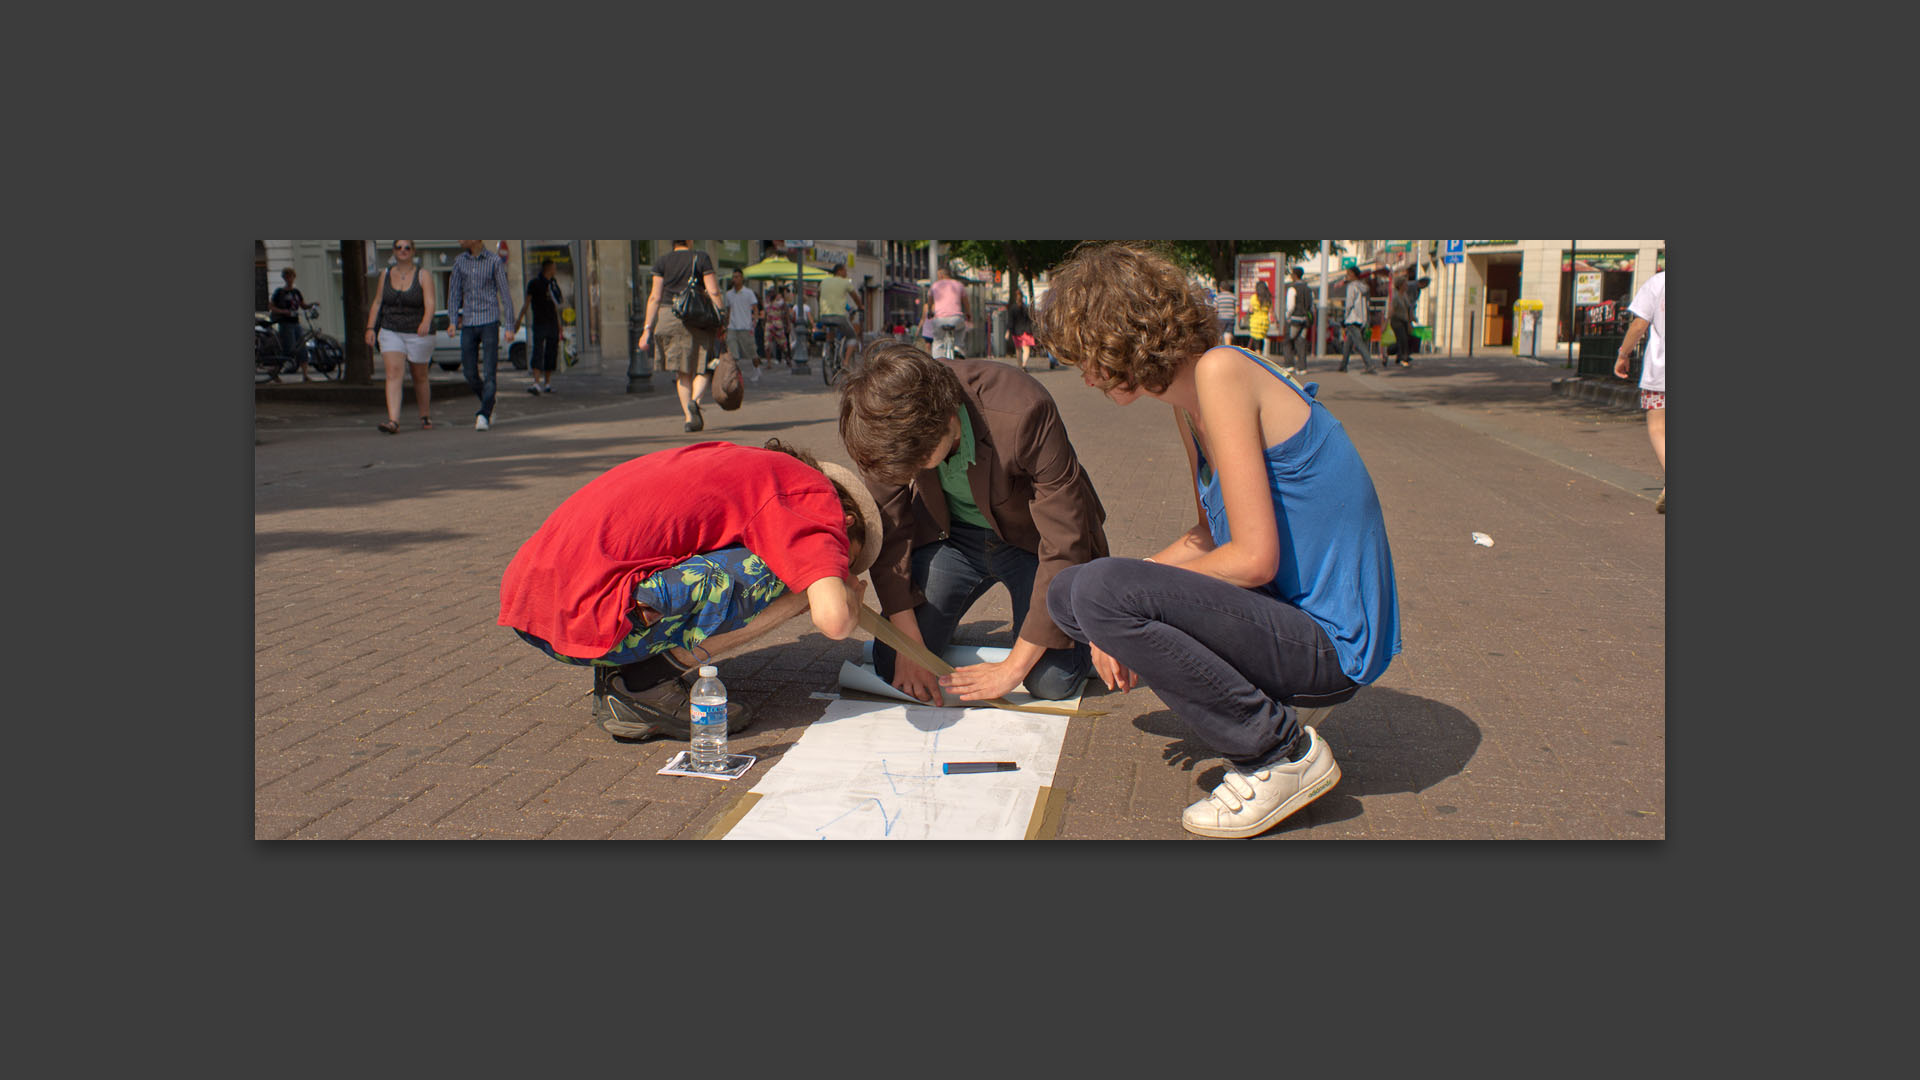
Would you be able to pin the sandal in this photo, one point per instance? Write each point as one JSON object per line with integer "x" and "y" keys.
{"x": 426, "y": 422}
{"x": 389, "y": 427}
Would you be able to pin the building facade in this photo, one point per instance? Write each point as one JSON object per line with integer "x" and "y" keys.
{"x": 1471, "y": 305}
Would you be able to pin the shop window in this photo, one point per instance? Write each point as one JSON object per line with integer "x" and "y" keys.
{"x": 1592, "y": 289}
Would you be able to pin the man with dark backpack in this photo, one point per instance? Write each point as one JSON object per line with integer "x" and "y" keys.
{"x": 1299, "y": 319}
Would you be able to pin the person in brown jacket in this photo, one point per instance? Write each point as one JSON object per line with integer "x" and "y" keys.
{"x": 977, "y": 483}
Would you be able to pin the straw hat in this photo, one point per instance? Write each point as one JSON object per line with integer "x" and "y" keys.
{"x": 869, "y": 513}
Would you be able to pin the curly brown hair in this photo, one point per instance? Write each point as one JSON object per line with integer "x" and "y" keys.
{"x": 1125, "y": 315}
{"x": 856, "y": 526}
{"x": 896, "y": 404}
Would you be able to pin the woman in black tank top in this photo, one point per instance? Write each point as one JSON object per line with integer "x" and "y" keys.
{"x": 401, "y": 327}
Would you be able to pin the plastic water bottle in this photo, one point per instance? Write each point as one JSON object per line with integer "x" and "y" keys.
{"x": 709, "y": 721}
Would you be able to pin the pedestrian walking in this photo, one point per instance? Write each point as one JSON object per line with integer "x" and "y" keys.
{"x": 1282, "y": 590}
{"x": 1299, "y": 320}
{"x": 678, "y": 557}
{"x": 284, "y": 308}
{"x": 977, "y": 483}
{"x": 1354, "y": 323}
{"x": 1259, "y": 317}
{"x": 947, "y": 300}
{"x": 544, "y": 301}
{"x": 743, "y": 310}
{"x": 1020, "y": 328}
{"x": 1649, "y": 310}
{"x": 776, "y": 316}
{"x": 1401, "y": 308}
{"x": 479, "y": 304}
{"x": 1225, "y": 304}
{"x": 684, "y": 350}
{"x": 401, "y": 328}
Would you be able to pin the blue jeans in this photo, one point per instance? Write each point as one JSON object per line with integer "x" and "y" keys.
{"x": 476, "y": 342}
{"x": 1223, "y": 658}
{"x": 953, "y": 574}
{"x": 289, "y": 333}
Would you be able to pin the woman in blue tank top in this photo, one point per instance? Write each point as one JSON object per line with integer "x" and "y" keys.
{"x": 1282, "y": 593}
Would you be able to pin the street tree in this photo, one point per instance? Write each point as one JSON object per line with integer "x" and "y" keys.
{"x": 354, "y": 306}
{"x": 1016, "y": 258}
{"x": 1215, "y": 257}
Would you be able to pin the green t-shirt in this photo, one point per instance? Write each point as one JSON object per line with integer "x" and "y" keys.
{"x": 953, "y": 477}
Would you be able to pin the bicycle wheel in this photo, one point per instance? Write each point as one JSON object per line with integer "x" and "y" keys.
{"x": 327, "y": 358}
{"x": 830, "y": 363}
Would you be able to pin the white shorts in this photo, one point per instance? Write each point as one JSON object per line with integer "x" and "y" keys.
{"x": 418, "y": 347}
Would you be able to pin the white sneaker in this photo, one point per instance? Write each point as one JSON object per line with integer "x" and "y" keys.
{"x": 480, "y": 423}
{"x": 546, "y": 388}
{"x": 1250, "y": 803}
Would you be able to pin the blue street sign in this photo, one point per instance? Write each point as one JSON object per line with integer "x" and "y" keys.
{"x": 1456, "y": 250}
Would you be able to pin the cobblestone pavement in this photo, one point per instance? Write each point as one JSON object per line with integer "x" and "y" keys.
{"x": 1529, "y": 701}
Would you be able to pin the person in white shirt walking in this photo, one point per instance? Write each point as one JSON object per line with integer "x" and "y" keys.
{"x": 742, "y": 307}
{"x": 1649, "y": 309}
{"x": 1354, "y": 323}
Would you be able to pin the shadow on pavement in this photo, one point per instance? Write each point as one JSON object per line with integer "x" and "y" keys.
{"x": 269, "y": 543}
{"x": 1386, "y": 742}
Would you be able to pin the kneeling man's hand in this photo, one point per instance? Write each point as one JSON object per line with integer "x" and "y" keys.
{"x": 976, "y": 682}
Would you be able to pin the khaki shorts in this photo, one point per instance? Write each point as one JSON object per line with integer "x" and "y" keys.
{"x": 679, "y": 348}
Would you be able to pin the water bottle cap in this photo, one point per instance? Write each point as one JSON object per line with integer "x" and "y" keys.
{"x": 709, "y": 672}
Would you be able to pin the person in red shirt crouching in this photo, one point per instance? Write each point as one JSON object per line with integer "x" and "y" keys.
{"x": 663, "y": 563}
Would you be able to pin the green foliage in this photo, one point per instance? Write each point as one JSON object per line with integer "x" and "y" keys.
{"x": 1029, "y": 258}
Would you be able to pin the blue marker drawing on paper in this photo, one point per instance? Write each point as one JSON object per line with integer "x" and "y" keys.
{"x": 886, "y": 822}
{"x": 891, "y": 775}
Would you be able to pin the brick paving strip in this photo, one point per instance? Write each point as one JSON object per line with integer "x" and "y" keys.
{"x": 1529, "y": 702}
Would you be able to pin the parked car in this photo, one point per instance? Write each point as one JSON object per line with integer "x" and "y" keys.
{"x": 446, "y": 346}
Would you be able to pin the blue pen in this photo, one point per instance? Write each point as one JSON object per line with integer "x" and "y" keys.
{"x": 979, "y": 766}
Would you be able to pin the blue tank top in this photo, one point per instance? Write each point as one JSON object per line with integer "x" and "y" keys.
{"x": 1334, "y": 560}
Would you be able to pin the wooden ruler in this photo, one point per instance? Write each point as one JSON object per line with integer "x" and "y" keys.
{"x": 876, "y": 624}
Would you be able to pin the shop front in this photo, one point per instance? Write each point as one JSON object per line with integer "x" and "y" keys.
{"x": 1591, "y": 283}
{"x": 1492, "y": 280}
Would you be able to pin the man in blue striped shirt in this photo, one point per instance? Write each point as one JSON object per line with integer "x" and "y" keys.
{"x": 477, "y": 299}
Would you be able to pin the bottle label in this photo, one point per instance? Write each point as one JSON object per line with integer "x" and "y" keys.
{"x": 710, "y": 714}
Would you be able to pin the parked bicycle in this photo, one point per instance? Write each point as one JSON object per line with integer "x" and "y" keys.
{"x": 320, "y": 351}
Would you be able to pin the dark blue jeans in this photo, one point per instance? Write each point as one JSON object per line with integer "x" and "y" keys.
{"x": 953, "y": 574}
{"x": 289, "y": 337}
{"x": 477, "y": 342}
{"x": 1220, "y": 656}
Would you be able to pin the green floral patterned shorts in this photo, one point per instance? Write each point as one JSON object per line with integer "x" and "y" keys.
{"x": 703, "y": 596}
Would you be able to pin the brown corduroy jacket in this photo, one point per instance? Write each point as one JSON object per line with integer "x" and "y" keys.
{"x": 1026, "y": 480}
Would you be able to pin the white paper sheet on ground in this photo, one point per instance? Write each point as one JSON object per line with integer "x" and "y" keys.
{"x": 870, "y": 770}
